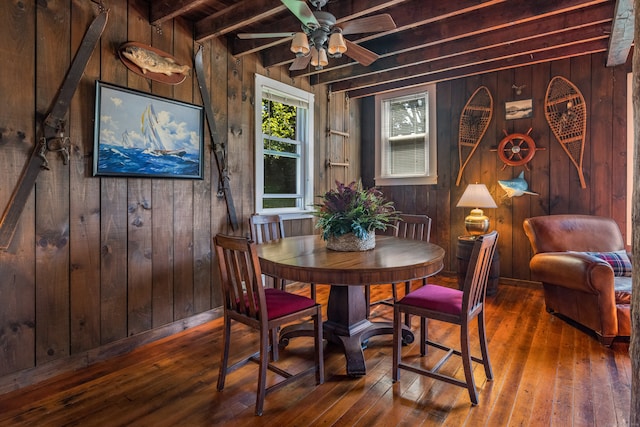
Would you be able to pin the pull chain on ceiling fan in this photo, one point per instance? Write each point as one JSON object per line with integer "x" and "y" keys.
{"x": 321, "y": 38}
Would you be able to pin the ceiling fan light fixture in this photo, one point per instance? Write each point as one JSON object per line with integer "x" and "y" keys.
{"x": 337, "y": 46}
{"x": 319, "y": 58}
{"x": 322, "y": 57}
{"x": 300, "y": 44}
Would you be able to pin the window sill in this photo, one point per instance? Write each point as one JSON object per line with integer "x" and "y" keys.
{"x": 422, "y": 180}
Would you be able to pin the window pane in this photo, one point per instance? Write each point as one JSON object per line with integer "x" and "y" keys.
{"x": 407, "y": 116}
{"x": 279, "y": 119}
{"x": 280, "y": 146}
{"x": 279, "y": 203}
{"x": 407, "y": 156}
{"x": 280, "y": 174}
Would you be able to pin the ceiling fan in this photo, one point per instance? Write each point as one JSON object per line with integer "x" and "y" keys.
{"x": 321, "y": 37}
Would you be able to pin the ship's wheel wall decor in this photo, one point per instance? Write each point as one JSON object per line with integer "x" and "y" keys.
{"x": 517, "y": 149}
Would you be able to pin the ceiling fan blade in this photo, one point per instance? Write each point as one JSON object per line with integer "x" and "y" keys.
{"x": 302, "y": 11}
{"x": 363, "y": 56}
{"x": 300, "y": 63}
{"x": 264, "y": 35}
{"x": 369, "y": 24}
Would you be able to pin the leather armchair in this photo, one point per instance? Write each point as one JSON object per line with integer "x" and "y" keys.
{"x": 577, "y": 285}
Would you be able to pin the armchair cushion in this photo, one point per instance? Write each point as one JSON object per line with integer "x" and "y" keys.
{"x": 618, "y": 260}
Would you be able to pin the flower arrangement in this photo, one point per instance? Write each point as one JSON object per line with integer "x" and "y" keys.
{"x": 352, "y": 209}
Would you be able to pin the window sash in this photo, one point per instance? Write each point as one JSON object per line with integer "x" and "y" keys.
{"x": 405, "y": 149}
{"x": 301, "y": 198}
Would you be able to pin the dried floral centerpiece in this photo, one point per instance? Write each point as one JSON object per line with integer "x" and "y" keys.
{"x": 349, "y": 216}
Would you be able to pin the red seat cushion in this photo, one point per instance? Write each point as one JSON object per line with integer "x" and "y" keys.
{"x": 280, "y": 303}
{"x": 437, "y": 298}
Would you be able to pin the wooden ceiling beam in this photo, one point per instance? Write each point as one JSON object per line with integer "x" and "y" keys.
{"x": 502, "y": 15}
{"x": 232, "y": 19}
{"x": 596, "y": 20}
{"x": 621, "y": 33}
{"x": 163, "y": 10}
{"x": 532, "y": 48}
{"x": 587, "y": 48}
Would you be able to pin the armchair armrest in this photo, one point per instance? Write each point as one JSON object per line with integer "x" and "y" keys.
{"x": 573, "y": 270}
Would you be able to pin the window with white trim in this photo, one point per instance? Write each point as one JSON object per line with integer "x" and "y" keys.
{"x": 284, "y": 156}
{"x": 406, "y": 137}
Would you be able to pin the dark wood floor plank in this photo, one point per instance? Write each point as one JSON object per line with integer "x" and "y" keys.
{"x": 563, "y": 400}
{"x": 547, "y": 372}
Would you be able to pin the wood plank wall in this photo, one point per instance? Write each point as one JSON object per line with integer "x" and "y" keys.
{"x": 551, "y": 173}
{"x": 99, "y": 266}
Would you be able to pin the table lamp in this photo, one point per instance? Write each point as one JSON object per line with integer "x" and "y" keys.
{"x": 476, "y": 196}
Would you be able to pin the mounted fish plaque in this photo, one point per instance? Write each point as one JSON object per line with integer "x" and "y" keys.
{"x": 516, "y": 187}
{"x": 152, "y": 63}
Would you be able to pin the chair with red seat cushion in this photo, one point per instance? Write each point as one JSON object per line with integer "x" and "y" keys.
{"x": 455, "y": 306}
{"x": 409, "y": 226}
{"x": 248, "y": 302}
{"x": 265, "y": 228}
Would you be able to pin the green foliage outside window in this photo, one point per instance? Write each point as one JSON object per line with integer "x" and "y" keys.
{"x": 279, "y": 120}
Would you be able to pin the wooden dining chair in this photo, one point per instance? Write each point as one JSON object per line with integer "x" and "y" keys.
{"x": 409, "y": 226}
{"x": 265, "y": 228}
{"x": 455, "y": 306}
{"x": 247, "y": 301}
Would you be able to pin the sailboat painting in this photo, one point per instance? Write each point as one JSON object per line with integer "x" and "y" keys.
{"x": 143, "y": 135}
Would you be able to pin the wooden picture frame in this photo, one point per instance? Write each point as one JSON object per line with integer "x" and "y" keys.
{"x": 521, "y": 109}
{"x": 137, "y": 134}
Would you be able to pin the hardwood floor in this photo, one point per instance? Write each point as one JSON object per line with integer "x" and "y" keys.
{"x": 547, "y": 372}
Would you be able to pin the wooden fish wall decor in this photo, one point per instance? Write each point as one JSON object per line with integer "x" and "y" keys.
{"x": 566, "y": 113}
{"x": 152, "y": 63}
{"x": 474, "y": 122}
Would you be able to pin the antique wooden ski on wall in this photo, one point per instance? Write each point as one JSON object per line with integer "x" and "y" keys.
{"x": 474, "y": 122}
{"x": 53, "y": 131}
{"x": 566, "y": 113}
{"x": 219, "y": 149}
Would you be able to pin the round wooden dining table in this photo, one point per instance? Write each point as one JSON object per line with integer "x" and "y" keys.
{"x": 307, "y": 259}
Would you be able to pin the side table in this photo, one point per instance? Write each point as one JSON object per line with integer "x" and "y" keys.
{"x": 463, "y": 253}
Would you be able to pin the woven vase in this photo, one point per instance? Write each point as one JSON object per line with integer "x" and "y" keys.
{"x": 350, "y": 243}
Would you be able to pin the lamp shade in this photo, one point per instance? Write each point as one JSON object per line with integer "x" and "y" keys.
{"x": 300, "y": 44}
{"x": 337, "y": 46}
{"x": 319, "y": 58}
{"x": 476, "y": 196}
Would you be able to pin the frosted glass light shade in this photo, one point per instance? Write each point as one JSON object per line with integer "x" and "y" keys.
{"x": 300, "y": 44}
{"x": 336, "y": 44}
{"x": 319, "y": 58}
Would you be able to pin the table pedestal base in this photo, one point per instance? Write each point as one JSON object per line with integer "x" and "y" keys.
{"x": 347, "y": 326}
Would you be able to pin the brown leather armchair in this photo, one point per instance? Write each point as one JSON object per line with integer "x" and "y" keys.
{"x": 578, "y": 285}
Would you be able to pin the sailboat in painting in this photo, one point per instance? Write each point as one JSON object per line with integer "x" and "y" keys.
{"x": 153, "y": 138}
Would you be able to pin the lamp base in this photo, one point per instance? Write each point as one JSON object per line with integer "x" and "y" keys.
{"x": 476, "y": 223}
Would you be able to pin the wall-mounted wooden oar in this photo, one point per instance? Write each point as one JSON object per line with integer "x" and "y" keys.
{"x": 566, "y": 113}
{"x": 474, "y": 122}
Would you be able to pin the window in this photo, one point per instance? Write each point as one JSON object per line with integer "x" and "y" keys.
{"x": 405, "y": 141}
{"x": 284, "y": 156}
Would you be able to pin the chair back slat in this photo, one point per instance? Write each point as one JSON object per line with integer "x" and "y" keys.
{"x": 241, "y": 276}
{"x": 475, "y": 284}
{"x": 265, "y": 228}
{"x": 415, "y": 227}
